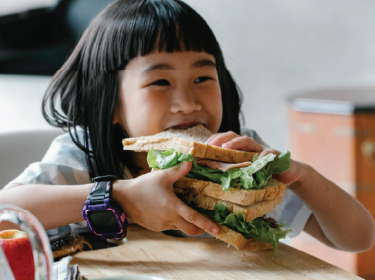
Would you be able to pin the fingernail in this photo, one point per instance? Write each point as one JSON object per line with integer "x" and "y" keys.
{"x": 214, "y": 230}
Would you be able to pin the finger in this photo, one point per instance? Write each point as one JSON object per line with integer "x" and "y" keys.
{"x": 291, "y": 175}
{"x": 188, "y": 228}
{"x": 243, "y": 143}
{"x": 211, "y": 137}
{"x": 175, "y": 173}
{"x": 269, "y": 151}
{"x": 222, "y": 138}
{"x": 214, "y": 139}
{"x": 193, "y": 217}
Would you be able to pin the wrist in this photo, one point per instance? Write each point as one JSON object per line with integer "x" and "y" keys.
{"x": 118, "y": 190}
{"x": 122, "y": 193}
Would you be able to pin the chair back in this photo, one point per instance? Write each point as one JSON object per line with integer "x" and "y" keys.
{"x": 19, "y": 149}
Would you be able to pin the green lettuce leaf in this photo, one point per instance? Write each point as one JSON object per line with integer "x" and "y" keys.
{"x": 281, "y": 163}
{"x": 167, "y": 159}
{"x": 259, "y": 164}
{"x": 254, "y": 176}
{"x": 258, "y": 228}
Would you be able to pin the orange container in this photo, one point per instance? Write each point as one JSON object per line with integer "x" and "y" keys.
{"x": 334, "y": 131}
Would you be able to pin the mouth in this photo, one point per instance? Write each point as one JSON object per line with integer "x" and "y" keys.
{"x": 184, "y": 126}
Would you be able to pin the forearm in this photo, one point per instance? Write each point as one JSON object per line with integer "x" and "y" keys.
{"x": 53, "y": 205}
{"x": 343, "y": 220}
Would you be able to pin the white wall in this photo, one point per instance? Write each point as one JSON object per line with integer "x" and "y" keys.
{"x": 20, "y": 6}
{"x": 21, "y": 102}
{"x": 278, "y": 48}
{"x": 273, "y": 49}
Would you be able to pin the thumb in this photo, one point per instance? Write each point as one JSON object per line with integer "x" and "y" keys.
{"x": 177, "y": 172}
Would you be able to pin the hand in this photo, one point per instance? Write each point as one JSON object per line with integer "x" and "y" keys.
{"x": 150, "y": 201}
{"x": 231, "y": 140}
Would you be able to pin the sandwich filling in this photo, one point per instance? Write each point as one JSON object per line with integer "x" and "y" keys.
{"x": 249, "y": 175}
{"x": 261, "y": 228}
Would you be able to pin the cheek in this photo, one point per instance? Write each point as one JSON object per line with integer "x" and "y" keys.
{"x": 214, "y": 106}
{"x": 218, "y": 101}
{"x": 218, "y": 110}
{"x": 152, "y": 103}
{"x": 142, "y": 113}
{"x": 139, "y": 102}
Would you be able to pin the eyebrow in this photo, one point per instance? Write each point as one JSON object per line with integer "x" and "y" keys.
{"x": 163, "y": 66}
{"x": 204, "y": 63}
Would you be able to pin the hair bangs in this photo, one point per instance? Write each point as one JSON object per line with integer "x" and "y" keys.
{"x": 166, "y": 26}
{"x": 141, "y": 27}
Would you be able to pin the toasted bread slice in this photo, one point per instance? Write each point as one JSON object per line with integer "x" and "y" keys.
{"x": 188, "y": 141}
{"x": 197, "y": 133}
{"x": 239, "y": 241}
{"x": 271, "y": 191}
{"x": 250, "y": 212}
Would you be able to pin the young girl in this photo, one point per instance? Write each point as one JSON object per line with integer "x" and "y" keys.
{"x": 141, "y": 67}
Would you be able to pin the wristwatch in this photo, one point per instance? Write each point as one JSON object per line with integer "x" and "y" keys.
{"x": 104, "y": 216}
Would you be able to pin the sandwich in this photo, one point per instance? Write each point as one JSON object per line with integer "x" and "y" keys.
{"x": 233, "y": 188}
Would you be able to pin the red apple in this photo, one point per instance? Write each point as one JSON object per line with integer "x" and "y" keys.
{"x": 17, "y": 249}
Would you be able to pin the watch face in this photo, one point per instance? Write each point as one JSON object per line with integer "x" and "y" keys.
{"x": 103, "y": 221}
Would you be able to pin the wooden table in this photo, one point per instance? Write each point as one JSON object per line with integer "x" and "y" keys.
{"x": 156, "y": 254}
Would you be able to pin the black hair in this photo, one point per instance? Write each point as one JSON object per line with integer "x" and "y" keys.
{"x": 85, "y": 92}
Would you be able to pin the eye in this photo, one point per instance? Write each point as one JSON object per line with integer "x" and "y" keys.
{"x": 162, "y": 82}
{"x": 201, "y": 79}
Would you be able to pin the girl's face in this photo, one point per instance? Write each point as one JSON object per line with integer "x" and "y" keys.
{"x": 165, "y": 90}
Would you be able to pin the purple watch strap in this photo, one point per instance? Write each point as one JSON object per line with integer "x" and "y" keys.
{"x": 99, "y": 201}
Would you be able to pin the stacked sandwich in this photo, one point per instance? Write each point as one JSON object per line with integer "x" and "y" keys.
{"x": 233, "y": 188}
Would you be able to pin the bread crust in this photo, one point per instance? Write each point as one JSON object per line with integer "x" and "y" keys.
{"x": 196, "y": 149}
{"x": 238, "y": 241}
{"x": 271, "y": 191}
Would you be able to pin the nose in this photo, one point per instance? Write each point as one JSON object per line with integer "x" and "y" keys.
{"x": 185, "y": 101}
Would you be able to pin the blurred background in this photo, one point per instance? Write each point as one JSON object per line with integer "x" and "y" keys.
{"x": 306, "y": 70}
{"x": 274, "y": 49}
